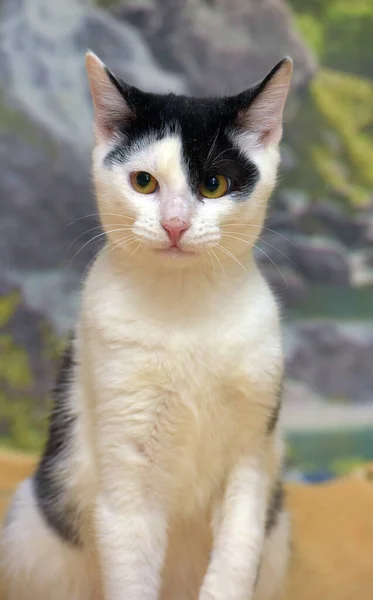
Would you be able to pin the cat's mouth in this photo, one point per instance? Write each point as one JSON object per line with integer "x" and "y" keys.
{"x": 175, "y": 250}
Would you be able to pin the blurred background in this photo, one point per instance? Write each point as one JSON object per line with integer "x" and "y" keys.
{"x": 317, "y": 250}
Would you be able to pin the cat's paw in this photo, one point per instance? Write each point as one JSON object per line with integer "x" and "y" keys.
{"x": 208, "y": 594}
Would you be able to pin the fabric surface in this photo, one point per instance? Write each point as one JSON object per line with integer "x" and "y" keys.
{"x": 332, "y": 545}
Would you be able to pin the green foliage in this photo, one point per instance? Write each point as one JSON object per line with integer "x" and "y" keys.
{"x": 335, "y": 122}
{"x": 105, "y": 3}
{"x": 344, "y": 160}
{"x": 332, "y": 138}
{"x": 337, "y": 449}
{"x": 339, "y": 31}
{"x": 343, "y": 466}
{"x": 336, "y": 303}
{"x": 22, "y": 420}
{"x": 312, "y": 31}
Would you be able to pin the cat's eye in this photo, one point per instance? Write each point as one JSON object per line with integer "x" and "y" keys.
{"x": 144, "y": 182}
{"x": 214, "y": 186}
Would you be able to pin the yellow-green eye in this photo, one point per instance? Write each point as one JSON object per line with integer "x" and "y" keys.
{"x": 214, "y": 186}
{"x": 143, "y": 182}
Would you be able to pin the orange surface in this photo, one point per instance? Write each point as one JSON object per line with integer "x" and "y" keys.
{"x": 332, "y": 541}
{"x": 332, "y": 549}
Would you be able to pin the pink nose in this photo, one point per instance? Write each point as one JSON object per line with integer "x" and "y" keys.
{"x": 175, "y": 229}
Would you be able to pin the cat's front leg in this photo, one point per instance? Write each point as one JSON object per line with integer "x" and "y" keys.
{"x": 131, "y": 539}
{"x": 238, "y": 534}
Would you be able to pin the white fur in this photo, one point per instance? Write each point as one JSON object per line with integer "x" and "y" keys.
{"x": 179, "y": 359}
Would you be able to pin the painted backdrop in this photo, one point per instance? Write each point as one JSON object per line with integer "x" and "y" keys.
{"x": 317, "y": 250}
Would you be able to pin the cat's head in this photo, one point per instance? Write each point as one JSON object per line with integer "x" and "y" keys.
{"x": 182, "y": 179}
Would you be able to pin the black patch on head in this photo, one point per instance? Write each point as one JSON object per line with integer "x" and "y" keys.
{"x": 205, "y": 126}
{"x": 275, "y": 506}
{"x": 48, "y": 487}
{"x": 275, "y": 412}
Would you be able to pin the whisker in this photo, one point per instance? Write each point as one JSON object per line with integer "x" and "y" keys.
{"x": 232, "y": 256}
{"x": 96, "y": 237}
{"x": 106, "y": 214}
{"x": 111, "y": 247}
{"x": 260, "y": 240}
{"x": 269, "y": 258}
{"x": 137, "y": 247}
{"x": 244, "y": 225}
{"x": 217, "y": 258}
{"x": 216, "y": 162}
{"x": 210, "y": 257}
{"x": 221, "y": 154}
{"x": 93, "y": 229}
{"x": 94, "y": 258}
{"x": 212, "y": 146}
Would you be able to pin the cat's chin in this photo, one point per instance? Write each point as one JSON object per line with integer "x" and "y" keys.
{"x": 172, "y": 258}
{"x": 175, "y": 252}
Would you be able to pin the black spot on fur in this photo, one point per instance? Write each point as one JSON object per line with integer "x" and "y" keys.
{"x": 258, "y": 572}
{"x": 275, "y": 412}
{"x": 275, "y": 506}
{"x": 49, "y": 491}
{"x": 204, "y": 126}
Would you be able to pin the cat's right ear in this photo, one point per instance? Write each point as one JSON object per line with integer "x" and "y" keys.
{"x": 111, "y": 110}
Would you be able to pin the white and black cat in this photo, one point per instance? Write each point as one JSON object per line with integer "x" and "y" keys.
{"x": 161, "y": 475}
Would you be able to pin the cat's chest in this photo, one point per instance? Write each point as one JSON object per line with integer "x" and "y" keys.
{"x": 176, "y": 400}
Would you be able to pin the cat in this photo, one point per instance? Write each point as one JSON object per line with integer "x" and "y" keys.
{"x": 161, "y": 476}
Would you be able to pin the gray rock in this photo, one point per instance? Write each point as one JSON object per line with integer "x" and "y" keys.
{"x": 289, "y": 287}
{"x": 283, "y": 222}
{"x": 361, "y": 267}
{"x": 328, "y": 219}
{"x": 44, "y": 187}
{"x": 219, "y": 46}
{"x": 321, "y": 260}
{"x": 305, "y": 259}
{"x": 334, "y": 359}
{"x": 42, "y": 47}
{"x": 364, "y": 220}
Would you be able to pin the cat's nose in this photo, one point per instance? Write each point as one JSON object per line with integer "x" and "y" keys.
{"x": 175, "y": 229}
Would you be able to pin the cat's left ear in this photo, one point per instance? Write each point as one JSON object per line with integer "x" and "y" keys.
{"x": 262, "y": 115}
{"x": 111, "y": 108}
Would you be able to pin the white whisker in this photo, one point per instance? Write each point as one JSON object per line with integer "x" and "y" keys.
{"x": 211, "y": 259}
{"x": 244, "y": 225}
{"x": 217, "y": 258}
{"x": 96, "y": 237}
{"x": 95, "y": 228}
{"x": 111, "y": 247}
{"x": 221, "y": 154}
{"x": 232, "y": 256}
{"x": 260, "y": 240}
{"x": 133, "y": 252}
{"x": 268, "y": 257}
{"x": 97, "y": 215}
{"x": 212, "y": 146}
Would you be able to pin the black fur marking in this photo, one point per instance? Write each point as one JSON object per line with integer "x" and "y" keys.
{"x": 275, "y": 414}
{"x": 275, "y": 506}
{"x": 48, "y": 489}
{"x": 204, "y": 126}
{"x": 258, "y": 572}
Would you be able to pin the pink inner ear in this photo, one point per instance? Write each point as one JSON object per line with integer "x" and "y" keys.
{"x": 263, "y": 116}
{"x": 271, "y": 136}
{"x": 110, "y": 107}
